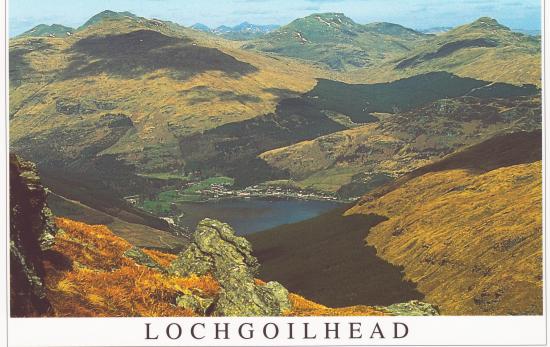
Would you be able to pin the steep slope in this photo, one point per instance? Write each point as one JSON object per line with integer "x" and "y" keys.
{"x": 337, "y": 41}
{"x": 64, "y": 268}
{"x": 483, "y": 49}
{"x": 127, "y": 108}
{"x": 32, "y": 232}
{"x": 357, "y": 160}
{"x": 318, "y": 257}
{"x": 468, "y": 229}
{"x": 115, "y": 279}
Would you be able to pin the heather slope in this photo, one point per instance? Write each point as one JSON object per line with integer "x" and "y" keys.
{"x": 115, "y": 279}
{"x": 468, "y": 230}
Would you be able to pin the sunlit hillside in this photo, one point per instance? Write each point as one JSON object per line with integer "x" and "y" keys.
{"x": 469, "y": 234}
{"x": 484, "y": 49}
{"x": 160, "y": 80}
{"x": 359, "y": 159}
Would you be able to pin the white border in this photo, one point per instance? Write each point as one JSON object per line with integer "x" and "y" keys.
{"x": 131, "y": 331}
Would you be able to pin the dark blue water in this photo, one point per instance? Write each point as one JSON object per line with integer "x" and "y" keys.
{"x": 250, "y": 216}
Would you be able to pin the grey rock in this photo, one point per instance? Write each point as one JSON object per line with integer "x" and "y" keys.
{"x": 216, "y": 250}
{"x": 281, "y": 294}
{"x": 411, "y": 308}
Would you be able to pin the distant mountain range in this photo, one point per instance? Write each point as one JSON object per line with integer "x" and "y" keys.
{"x": 337, "y": 41}
{"x": 243, "y": 31}
{"x": 259, "y": 85}
{"x": 435, "y": 30}
{"x": 441, "y": 30}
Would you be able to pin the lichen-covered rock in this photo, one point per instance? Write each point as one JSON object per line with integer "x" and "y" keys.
{"x": 31, "y": 233}
{"x": 216, "y": 250}
{"x": 195, "y": 303}
{"x": 412, "y": 308}
{"x": 140, "y": 257}
{"x": 281, "y": 293}
{"x": 215, "y": 247}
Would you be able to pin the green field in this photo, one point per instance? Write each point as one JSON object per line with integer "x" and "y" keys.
{"x": 168, "y": 201}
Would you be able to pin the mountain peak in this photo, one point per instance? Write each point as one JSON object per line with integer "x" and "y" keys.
{"x": 334, "y": 17}
{"x": 200, "y": 27}
{"x": 321, "y": 21}
{"x": 107, "y": 14}
{"x": 487, "y": 23}
{"x": 44, "y": 30}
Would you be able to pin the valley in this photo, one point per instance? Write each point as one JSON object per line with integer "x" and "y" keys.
{"x": 373, "y": 155}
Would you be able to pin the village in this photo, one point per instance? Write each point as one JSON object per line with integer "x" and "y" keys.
{"x": 221, "y": 191}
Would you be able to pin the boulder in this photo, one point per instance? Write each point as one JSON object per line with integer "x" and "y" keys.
{"x": 411, "y": 308}
{"x": 216, "y": 250}
{"x": 32, "y": 232}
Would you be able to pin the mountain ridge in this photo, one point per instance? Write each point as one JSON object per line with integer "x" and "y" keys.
{"x": 242, "y": 31}
{"x": 358, "y": 45}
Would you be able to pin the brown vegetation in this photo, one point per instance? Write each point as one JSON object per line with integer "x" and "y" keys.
{"x": 472, "y": 242}
{"x": 87, "y": 275}
{"x": 101, "y": 282}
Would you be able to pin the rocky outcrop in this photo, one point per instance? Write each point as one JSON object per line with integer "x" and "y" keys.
{"x": 31, "y": 233}
{"x": 411, "y": 308}
{"x": 216, "y": 250}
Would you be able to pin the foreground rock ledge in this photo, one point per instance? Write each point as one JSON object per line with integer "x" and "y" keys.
{"x": 31, "y": 233}
{"x": 216, "y": 250}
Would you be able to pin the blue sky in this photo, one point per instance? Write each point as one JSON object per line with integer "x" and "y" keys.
{"x": 418, "y": 14}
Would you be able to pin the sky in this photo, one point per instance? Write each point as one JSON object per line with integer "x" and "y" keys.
{"x": 416, "y": 14}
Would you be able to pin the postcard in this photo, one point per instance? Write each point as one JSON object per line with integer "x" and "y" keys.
{"x": 274, "y": 173}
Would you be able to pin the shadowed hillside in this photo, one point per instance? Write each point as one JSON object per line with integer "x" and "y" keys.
{"x": 354, "y": 161}
{"x": 143, "y": 51}
{"x": 468, "y": 229}
{"x": 319, "y": 257}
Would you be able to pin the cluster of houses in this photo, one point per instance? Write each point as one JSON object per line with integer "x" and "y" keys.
{"x": 220, "y": 191}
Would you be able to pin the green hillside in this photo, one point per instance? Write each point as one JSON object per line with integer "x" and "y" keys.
{"x": 106, "y": 15}
{"x": 483, "y": 49}
{"x": 337, "y": 41}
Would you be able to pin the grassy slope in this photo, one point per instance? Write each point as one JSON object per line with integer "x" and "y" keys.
{"x": 515, "y": 59}
{"x": 402, "y": 142}
{"x": 162, "y": 99}
{"x": 134, "y": 232}
{"x": 468, "y": 230}
{"x": 107, "y": 284}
